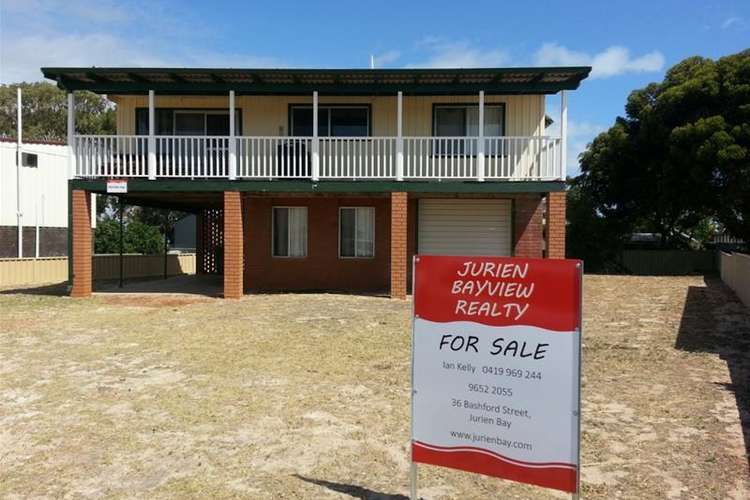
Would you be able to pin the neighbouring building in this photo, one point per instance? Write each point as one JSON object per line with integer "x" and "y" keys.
{"x": 44, "y": 199}
{"x": 332, "y": 179}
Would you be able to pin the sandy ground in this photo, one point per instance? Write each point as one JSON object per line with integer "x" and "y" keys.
{"x": 307, "y": 396}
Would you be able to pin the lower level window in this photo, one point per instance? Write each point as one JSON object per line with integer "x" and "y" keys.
{"x": 290, "y": 231}
{"x": 357, "y": 232}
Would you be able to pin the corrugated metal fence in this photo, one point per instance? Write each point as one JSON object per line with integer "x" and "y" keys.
{"x": 735, "y": 272}
{"x": 669, "y": 262}
{"x": 29, "y": 272}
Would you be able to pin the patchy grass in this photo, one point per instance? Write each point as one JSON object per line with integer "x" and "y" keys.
{"x": 307, "y": 396}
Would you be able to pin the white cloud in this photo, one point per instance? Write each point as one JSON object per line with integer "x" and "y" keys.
{"x": 458, "y": 54}
{"x": 615, "y": 60}
{"x": 732, "y": 21}
{"x": 580, "y": 135}
{"x": 101, "y": 35}
{"x": 386, "y": 58}
{"x": 23, "y": 56}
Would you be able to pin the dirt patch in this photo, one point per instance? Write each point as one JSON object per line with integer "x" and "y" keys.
{"x": 307, "y": 396}
{"x": 152, "y": 300}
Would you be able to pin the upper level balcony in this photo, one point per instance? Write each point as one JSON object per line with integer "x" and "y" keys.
{"x": 351, "y": 158}
{"x": 402, "y": 137}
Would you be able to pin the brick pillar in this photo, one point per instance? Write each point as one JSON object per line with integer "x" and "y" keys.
{"x": 556, "y": 225}
{"x": 81, "y": 234}
{"x": 398, "y": 245}
{"x": 529, "y": 235}
{"x": 233, "y": 253}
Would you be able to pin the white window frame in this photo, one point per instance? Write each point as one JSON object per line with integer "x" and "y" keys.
{"x": 465, "y": 107}
{"x": 374, "y": 219}
{"x": 273, "y": 233}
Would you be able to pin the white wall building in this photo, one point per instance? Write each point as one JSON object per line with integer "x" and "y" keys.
{"x": 44, "y": 199}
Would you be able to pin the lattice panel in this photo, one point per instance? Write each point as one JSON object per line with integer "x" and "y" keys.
{"x": 210, "y": 244}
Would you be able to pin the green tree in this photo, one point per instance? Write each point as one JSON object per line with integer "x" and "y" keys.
{"x": 45, "y": 109}
{"x": 137, "y": 238}
{"x": 680, "y": 156}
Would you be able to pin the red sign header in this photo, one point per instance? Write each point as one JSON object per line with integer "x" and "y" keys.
{"x": 498, "y": 291}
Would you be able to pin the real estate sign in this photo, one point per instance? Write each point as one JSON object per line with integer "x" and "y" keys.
{"x": 496, "y": 367}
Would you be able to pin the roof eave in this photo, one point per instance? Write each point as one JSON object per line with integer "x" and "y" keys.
{"x": 100, "y": 80}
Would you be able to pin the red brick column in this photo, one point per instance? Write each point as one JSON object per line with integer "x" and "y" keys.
{"x": 556, "y": 225}
{"x": 398, "y": 244}
{"x": 233, "y": 253}
{"x": 529, "y": 235}
{"x": 81, "y": 234}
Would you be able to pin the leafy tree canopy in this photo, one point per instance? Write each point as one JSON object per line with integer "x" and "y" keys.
{"x": 137, "y": 238}
{"x": 679, "y": 157}
{"x": 45, "y": 109}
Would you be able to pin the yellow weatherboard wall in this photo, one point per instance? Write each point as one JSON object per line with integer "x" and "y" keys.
{"x": 268, "y": 115}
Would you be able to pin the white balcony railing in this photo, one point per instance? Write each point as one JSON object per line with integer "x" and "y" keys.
{"x": 353, "y": 158}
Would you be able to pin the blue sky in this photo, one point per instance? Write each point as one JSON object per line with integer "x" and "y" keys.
{"x": 628, "y": 43}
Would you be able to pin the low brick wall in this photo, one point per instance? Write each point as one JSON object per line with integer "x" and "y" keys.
{"x": 53, "y": 241}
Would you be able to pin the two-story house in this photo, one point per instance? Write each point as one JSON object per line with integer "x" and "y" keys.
{"x": 329, "y": 179}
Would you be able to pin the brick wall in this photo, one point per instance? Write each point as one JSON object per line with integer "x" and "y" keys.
{"x": 399, "y": 244}
{"x": 322, "y": 269}
{"x": 81, "y": 206}
{"x": 556, "y": 225}
{"x": 528, "y": 226}
{"x": 233, "y": 245}
{"x": 53, "y": 241}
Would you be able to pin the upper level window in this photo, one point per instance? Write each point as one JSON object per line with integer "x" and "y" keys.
{"x": 333, "y": 121}
{"x": 462, "y": 120}
{"x": 168, "y": 121}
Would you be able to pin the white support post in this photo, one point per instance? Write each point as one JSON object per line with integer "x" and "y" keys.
{"x": 400, "y": 136}
{"x": 19, "y": 162}
{"x": 71, "y": 136}
{"x": 480, "y": 139}
{"x": 563, "y": 134}
{"x": 151, "y": 137}
{"x": 40, "y": 220}
{"x": 232, "y": 140}
{"x": 315, "y": 140}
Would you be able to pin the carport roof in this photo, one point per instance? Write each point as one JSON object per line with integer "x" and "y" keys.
{"x": 211, "y": 81}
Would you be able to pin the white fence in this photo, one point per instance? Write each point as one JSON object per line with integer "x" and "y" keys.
{"x": 424, "y": 158}
{"x": 735, "y": 273}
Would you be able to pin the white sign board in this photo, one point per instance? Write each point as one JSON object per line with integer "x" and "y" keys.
{"x": 117, "y": 186}
{"x": 496, "y": 367}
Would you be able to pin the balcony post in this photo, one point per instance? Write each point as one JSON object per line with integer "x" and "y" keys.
{"x": 71, "y": 136}
{"x": 315, "y": 140}
{"x": 563, "y": 133}
{"x": 400, "y": 136}
{"x": 232, "y": 140}
{"x": 151, "y": 137}
{"x": 480, "y": 139}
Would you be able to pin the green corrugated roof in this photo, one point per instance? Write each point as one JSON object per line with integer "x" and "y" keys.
{"x": 208, "y": 81}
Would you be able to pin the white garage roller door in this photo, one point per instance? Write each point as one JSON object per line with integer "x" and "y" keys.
{"x": 464, "y": 227}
